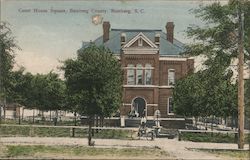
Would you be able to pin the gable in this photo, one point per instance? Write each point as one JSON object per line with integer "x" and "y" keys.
{"x": 140, "y": 43}
{"x": 140, "y": 40}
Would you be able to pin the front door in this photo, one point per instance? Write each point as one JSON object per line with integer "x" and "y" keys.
{"x": 139, "y": 105}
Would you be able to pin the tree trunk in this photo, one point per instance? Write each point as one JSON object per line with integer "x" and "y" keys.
{"x": 4, "y": 109}
{"x": 102, "y": 122}
{"x": 19, "y": 115}
{"x": 73, "y": 129}
{"x": 93, "y": 124}
{"x": 96, "y": 123}
{"x": 43, "y": 118}
{"x": 212, "y": 125}
{"x": 90, "y": 143}
{"x": 205, "y": 125}
{"x": 75, "y": 118}
{"x": 55, "y": 118}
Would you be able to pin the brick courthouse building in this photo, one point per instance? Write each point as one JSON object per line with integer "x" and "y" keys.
{"x": 152, "y": 63}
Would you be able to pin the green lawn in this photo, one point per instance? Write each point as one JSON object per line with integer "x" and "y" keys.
{"x": 232, "y": 154}
{"x": 209, "y": 137}
{"x": 7, "y": 131}
{"x": 40, "y": 151}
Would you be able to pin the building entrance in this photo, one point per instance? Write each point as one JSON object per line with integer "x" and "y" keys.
{"x": 139, "y": 105}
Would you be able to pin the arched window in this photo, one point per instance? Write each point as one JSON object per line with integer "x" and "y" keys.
{"x": 148, "y": 74}
{"x": 139, "y": 74}
{"x": 131, "y": 74}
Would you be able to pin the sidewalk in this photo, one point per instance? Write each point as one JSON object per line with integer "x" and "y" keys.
{"x": 178, "y": 149}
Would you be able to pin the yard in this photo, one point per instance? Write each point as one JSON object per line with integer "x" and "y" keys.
{"x": 41, "y": 151}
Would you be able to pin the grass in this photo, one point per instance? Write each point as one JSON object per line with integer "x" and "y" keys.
{"x": 233, "y": 154}
{"x": 114, "y": 134}
{"x": 40, "y": 122}
{"x": 77, "y": 151}
{"x": 10, "y": 131}
{"x": 214, "y": 138}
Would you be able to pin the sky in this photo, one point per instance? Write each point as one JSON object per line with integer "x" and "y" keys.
{"x": 50, "y": 31}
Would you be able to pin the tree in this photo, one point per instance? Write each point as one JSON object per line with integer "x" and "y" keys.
{"x": 47, "y": 92}
{"x": 94, "y": 83}
{"x": 203, "y": 95}
{"x": 7, "y": 47}
{"x": 218, "y": 37}
{"x": 17, "y": 86}
{"x": 55, "y": 93}
{"x": 189, "y": 95}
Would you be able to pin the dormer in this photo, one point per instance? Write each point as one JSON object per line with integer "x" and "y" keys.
{"x": 157, "y": 39}
{"x": 123, "y": 38}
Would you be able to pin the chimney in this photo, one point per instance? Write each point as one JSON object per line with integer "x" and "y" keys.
{"x": 106, "y": 27}
{"x": 170, "y": 31}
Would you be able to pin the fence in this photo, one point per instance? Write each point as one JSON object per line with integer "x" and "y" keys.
{"x": 65, "y": 131}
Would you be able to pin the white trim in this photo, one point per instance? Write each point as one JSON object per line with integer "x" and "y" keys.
{"x": 143, "y": 37}
{"x": 142, "y": 50}
{"x": 169, "y": 70}
{"x": 146, "y": 86}
{"x": 173, "y": 59}
{"x": 166, "y": 86}
{"x": 153, "y": 104}
{"x": 129, "y": 104}
{"x": 126, "y": 104}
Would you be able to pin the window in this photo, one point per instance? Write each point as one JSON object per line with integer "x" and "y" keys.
{"x": 170, "y": 106}
{"x": 139, "y": 73}
{"x": 148, "y": 74}
{"x": 171, "y": 77}
{"x": 131, "y": 74}
{"x": 140, "y": 42}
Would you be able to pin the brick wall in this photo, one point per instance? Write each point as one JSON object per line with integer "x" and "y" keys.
{"x": 155, "y": 94}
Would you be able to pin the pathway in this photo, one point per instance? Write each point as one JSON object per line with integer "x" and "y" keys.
{"x": 176, "y": 148}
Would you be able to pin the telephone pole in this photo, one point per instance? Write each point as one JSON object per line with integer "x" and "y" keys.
{"x": 240, "y": 79}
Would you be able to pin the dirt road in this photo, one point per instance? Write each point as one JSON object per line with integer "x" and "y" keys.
{"x": 178, "y": 149}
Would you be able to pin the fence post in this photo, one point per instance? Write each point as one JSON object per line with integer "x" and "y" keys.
{"x": 31, "y": 131}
